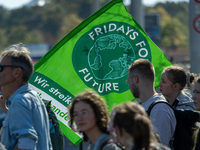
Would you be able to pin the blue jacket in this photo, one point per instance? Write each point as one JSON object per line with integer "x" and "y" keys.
{"x": 26, "y": 124}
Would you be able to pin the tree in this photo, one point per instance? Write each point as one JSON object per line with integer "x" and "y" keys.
{"x": 173, "y": 32}
{"x": 20, "y": 34}
{"x": 3, "y": 16}
{"x": 69, "y": 23}
{"x": 3, "y": 39}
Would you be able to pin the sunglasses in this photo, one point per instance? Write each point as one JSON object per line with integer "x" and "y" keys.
{"x": 2, "y": 66}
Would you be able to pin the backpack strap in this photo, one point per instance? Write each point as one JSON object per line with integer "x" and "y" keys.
{"x": 156, "y": 102}
{"x": 47, "y": 104}
{"x": 81, "y": 145}
{"x": 175, "y": 104}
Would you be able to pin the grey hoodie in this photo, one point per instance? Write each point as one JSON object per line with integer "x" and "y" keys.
{"x": 110, "y": 146}
{"x": 185, "y": 101}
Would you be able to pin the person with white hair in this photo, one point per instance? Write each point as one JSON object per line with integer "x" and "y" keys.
{"x": 26, "y": 126}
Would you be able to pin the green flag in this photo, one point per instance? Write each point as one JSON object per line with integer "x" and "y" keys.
{"x": 96, "y": 54}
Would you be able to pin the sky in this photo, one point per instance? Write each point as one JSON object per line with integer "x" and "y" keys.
{"x": 12, "y": 4}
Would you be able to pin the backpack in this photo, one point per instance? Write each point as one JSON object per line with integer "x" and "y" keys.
{"x": 198, "y": 141}
{"x": 57, "y": 138}
{"x": 185, "y": 128}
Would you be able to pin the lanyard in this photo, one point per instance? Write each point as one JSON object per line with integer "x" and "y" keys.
{"x": 97, "y": 143}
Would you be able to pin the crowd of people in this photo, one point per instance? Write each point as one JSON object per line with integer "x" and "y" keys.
{"x": 129, "y": 127}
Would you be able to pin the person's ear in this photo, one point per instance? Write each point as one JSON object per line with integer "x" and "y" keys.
{"x": 118, "y": 131}
{"x": 18, "y": 72}
{"x": 136, "y": 78}
{"x": 176, "y": 86}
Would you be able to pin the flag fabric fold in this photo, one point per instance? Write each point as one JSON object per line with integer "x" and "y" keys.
{"x": 96, "y": 54}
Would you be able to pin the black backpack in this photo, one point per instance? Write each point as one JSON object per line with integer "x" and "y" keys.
{"x": 57, "y": 138}
{"x": 185, "y": 130}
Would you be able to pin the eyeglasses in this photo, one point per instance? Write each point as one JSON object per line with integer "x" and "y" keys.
{"x": 126, "y": 81}
{"x": 84, "y": 114}
{"x": 109, "y": 124}
{"x": 111, "y": 128}
{"x": 2, "y": 66}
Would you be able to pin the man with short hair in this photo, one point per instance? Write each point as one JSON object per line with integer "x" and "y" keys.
{"x": 26, "y": 126}
{"x": 141, "y": 83}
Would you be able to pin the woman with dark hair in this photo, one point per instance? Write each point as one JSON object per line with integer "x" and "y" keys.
{"x": 88, "y": 111}
{"x": 131, "y": 127}
{"x": 173, "y": 81}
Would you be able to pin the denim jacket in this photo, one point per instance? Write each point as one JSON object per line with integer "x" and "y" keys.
{"x": 26, "y": 125}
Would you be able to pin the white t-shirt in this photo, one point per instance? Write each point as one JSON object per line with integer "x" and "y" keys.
{"x": 162, "y": 118}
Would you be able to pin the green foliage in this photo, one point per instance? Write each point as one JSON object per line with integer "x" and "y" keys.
{"x": 52, "y": 18}
{"x": 177, "y": 10}
{"x": 84, "y": 10}
{"x": 3, "y": 39}
{"x": 57, "y": 18}
{"x": 174, "y": 23}
{"x": 34, "y": 36}
{"x": 20, "y": 34}
{"x": 3, "y": 16}
{"x": 173, "y": 34}
{"x": 70, "y": 21}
